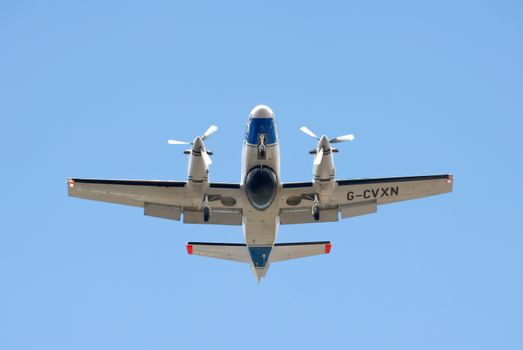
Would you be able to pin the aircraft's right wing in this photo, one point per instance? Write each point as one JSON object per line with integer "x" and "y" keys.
{"x": 165, "y": 199}
{"x": 357, "y": 196}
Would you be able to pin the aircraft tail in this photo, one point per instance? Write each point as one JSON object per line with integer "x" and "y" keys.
{"x": 239, "y": 252}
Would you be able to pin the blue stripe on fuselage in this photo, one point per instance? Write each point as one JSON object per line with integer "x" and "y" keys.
{"x": 257, "y": 126}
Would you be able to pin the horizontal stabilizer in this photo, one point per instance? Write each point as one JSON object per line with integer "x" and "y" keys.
{"x": 239, "y": 252}
{"x": 287, "y": 251}
{"x": 228, "y": 251}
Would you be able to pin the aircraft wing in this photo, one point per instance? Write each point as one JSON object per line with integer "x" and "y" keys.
{"x": 356, "y": 196}
{"x": 165, "y": 199}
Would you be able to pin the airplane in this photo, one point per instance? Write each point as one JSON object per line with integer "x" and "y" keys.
{"x": 260, "y": 202}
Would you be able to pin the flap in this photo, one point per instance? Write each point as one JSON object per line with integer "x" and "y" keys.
{"x": 162, "y": 211}
{"x": 355, "y": 209}
{"x": 219, "y": 216}
{"x": 304, "y": 215}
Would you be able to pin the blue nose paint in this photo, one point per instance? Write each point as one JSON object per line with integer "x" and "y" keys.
{"x": 261, "y": 126}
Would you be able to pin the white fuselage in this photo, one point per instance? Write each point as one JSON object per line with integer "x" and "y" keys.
{"x": 261, "y": 180}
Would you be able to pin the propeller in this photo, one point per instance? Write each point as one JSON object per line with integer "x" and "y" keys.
{"x": 212, "y": 129}
{"x": 320, "y": 150}
{"x": 310, "y": 133}
{"x": 206, "y": 157}
{"x": 348, "y": 137}
{"x": 176, "y": 142}
{"x": 205, "y": 154}
{"x": 318, "y": 157}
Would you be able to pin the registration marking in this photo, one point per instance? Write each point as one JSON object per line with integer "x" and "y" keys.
{"x": 374, "y": 193}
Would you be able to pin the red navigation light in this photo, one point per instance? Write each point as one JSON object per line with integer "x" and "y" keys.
{"x": 189, "y": 248}
{"x": 328, "y": 248}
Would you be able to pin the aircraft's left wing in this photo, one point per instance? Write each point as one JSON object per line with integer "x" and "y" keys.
{"x": 165, "y": 199}
{"x": 356, "y": 196}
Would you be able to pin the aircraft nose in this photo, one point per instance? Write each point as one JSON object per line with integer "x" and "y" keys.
{"x": 261, "y": 111}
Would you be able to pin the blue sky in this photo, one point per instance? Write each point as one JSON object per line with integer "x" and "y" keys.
{"x": 94, "y": 89}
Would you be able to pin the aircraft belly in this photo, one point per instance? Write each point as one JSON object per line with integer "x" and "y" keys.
{"x": 260, "y": 227}
{"x": 250, "y": 159}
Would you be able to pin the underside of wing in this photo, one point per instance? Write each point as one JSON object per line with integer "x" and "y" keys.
{"x": 356, "y": 196}
{"x": 166, "y": 199}
{"x": 393, "y": 189}
{"x": 128, "y": 192}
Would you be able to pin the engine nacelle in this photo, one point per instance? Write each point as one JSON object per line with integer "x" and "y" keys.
{"x": 198, "y": 170}
{"x": 323, "y": 170}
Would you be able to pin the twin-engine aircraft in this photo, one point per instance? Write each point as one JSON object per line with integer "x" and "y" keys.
{"x": 260, "y": 202}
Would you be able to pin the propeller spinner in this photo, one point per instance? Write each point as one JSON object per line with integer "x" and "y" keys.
{"x": 198, "y": 143}
{"x": 324, "y": 142}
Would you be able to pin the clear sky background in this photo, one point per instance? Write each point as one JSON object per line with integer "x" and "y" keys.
{"x": 95, "y": 89}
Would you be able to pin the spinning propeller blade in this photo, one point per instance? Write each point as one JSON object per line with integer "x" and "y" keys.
{"x": 307, "y": 131}
{"x": 348, "y": 137}
{"x": 206, "y": 158}
{"x": 176, "y": 142}
{"x": 318, "y": 157}
{"x": 212, "y": 129}
{"x": 324, "y": 143}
